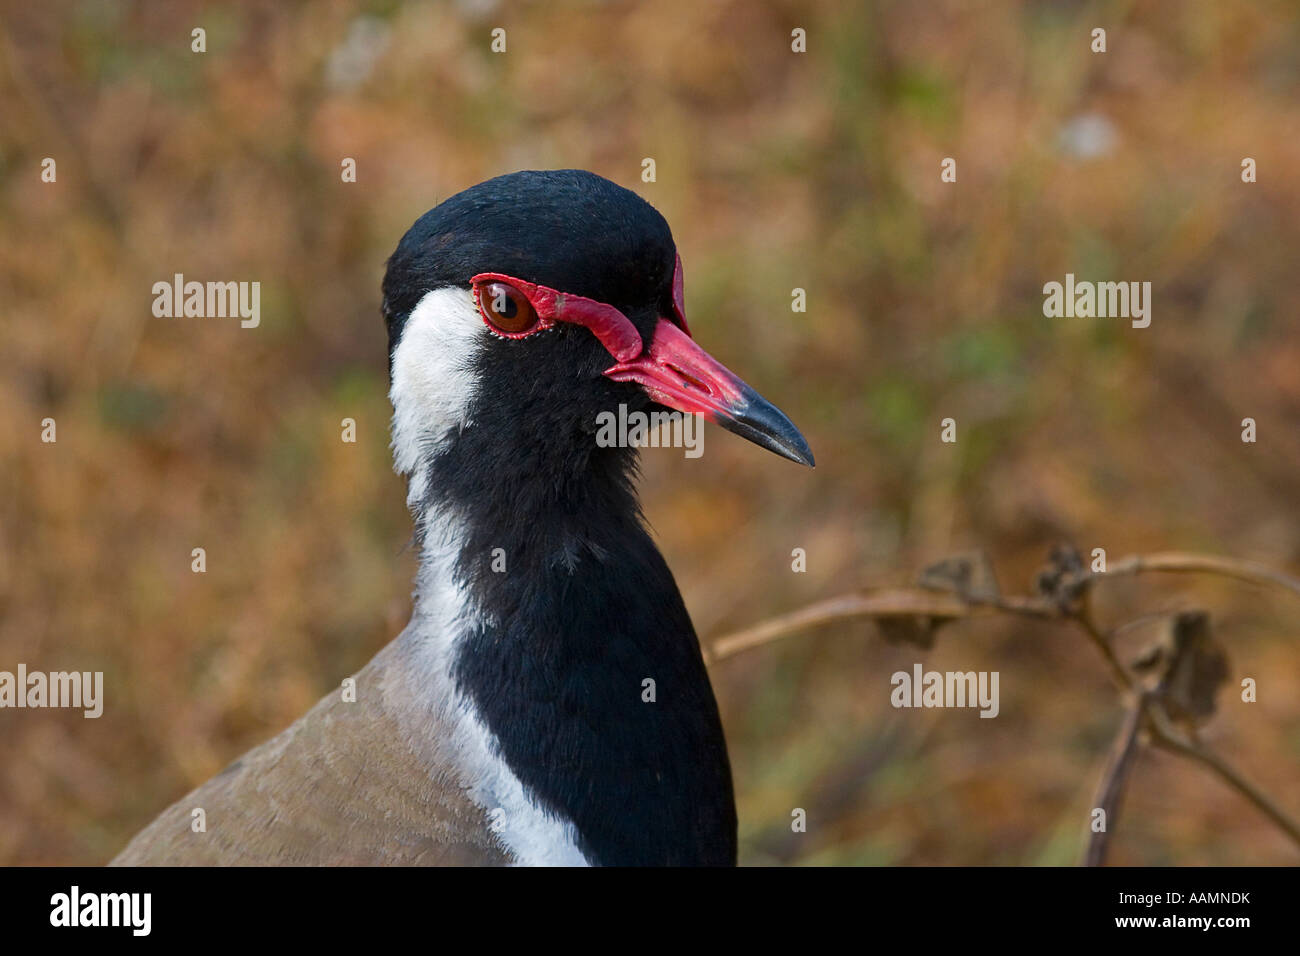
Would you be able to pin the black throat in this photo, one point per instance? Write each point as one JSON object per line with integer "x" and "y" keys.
{"x": 578, "y": 614}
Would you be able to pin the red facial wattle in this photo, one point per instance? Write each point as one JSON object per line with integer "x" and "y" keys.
{"x": 673, "y": 370}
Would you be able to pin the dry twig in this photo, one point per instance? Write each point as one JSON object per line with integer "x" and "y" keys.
{"x": 1064, "y": 594}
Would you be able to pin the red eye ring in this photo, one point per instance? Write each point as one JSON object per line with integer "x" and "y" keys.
{"x": 608, "y": 324}
{"x": 506, "y": 309}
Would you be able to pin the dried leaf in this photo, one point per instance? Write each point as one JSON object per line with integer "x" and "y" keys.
{"x": 1064, "y": 578}
{"x": 1149, "y": 659}
{"x": 968, "y": 575}
{"x": 914, "y": 629}
{"x": 1197, "y": 667}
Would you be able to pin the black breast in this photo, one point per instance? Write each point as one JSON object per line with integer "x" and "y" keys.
{"x": 584, "y": 615}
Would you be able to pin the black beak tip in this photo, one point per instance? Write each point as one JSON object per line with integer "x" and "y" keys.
{"x": 758, "y": 420}
{"x": 805, "y": 455}
{"x": 795, "y": 448}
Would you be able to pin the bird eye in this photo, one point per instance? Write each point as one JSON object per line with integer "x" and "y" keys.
{"x": 506, "y": 308}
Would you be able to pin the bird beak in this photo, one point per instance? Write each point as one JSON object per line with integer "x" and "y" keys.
{"x": 677, "y": 373}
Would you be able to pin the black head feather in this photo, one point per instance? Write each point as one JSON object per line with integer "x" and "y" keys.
{"x": 567, "y": 229}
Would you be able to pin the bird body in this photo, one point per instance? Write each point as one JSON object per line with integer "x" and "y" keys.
{"x": 352, "y": 783}
{"x": 510, "y": 722}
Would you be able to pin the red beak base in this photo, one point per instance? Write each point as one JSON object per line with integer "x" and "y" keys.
{"x": 677, "y": 373}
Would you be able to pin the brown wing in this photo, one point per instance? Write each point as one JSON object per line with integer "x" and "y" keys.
{"x": 361, "y": 783}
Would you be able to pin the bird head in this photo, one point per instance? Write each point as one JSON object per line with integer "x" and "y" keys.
{"x": 527, "y": 305}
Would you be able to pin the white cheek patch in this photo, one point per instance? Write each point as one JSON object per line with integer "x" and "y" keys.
{"x": 434, "y": 383}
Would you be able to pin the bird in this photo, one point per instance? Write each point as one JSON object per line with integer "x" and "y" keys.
{"x": 510, "y": 723}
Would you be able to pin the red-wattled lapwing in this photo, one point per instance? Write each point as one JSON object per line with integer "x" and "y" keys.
{"x": 507, "y": 722}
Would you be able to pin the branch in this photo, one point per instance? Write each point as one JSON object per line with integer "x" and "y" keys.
{"x": 1187, "y": 563}
{"x": 1083, "y": 615}
{"x": 922, "y": 602}
{"x": 1066, "y": 595}
{"x": 897, "y": 602}
{"x": 1163, "y": 733}
{"x": 1111, "y": 791}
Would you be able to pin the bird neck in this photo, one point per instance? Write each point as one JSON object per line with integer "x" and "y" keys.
{"x": 575, "y": 651}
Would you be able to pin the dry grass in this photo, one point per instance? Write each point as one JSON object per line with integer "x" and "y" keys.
{"x": 818, "y": 171}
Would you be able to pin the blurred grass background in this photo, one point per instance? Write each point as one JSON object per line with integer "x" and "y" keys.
{"x": 776, "y": 171}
